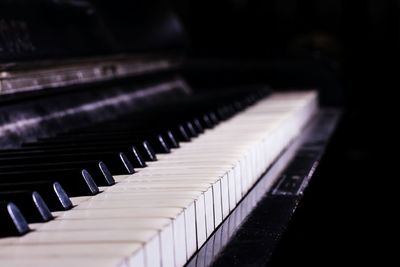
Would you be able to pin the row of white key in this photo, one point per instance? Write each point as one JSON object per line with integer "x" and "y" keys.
{"x": 162, "y": 214}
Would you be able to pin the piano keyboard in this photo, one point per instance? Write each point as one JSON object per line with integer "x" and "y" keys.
{"x": 148, "y": 212}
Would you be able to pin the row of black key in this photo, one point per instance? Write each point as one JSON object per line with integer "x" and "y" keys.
{"x": 39, "y": 177}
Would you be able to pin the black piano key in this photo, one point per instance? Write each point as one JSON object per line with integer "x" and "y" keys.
{"x": 131, "y": 152}
{"x": 207, "y": 122}
{"x": 75, "y": 182}
{"x": 191, "y": 130}
{"x": 131, "y": 130}
{"x": 228, "y": 111}
{"x": 116, "y": 163}
{"x": 198, "y": 126}
{"x": 101, "y": 173}
{"x": 127, "y": 139}
{"x": 237, "y": 106}
{"x": 157, "y": 141}
{"x": 30, "y": 203}
{"x": 52, "y": 193}
{"x": 162, "y": 144}
{"x": 149, "y": 152}
{"x": 112, "y": 160}
{"x": 12, "y": 222}
{"x": 138, "y": 130}
{"x": 128, "y": 165}
{"x": 138, "y": 158}
{"x": 213, "y": 118}
{"x": 106, "y": 174}
{"x": 172, "y": 141}
{"x": 224, "y": 112}
{"x": 231, "y": 109}
{"x": 182, "y": 134}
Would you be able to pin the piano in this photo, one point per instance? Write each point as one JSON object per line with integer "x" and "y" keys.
{"x": 117, "y": 148}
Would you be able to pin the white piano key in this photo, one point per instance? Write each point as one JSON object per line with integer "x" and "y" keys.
{"x": 191, "y": 231}
{"x": 134, "y": 212}
{"x": 101, "y": 250}
{"x": 165, "y": 228}
{"x": 94, "y": 236}
{"x": 167, "y": 246}
{"x": 62, "y": 262}
{"x": 137, "y": 259}
{"x": 152, "y": 255}
{"x": 232, "y": 180}
{"x": 103, "y": 224}
{"x": 209, "y": 210}
{"x": 200, "y": 221}
{"x": 180, "y": 240}
{"x": 240, "y": 176}
{"x": 152, "y": 201}
{"x": 77, "y": 200}
{"x": 217, "y": 198}
{"x": 225, "y": 195}
{"x": 132, "y": 193}
{"x": 189, "y": 185}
